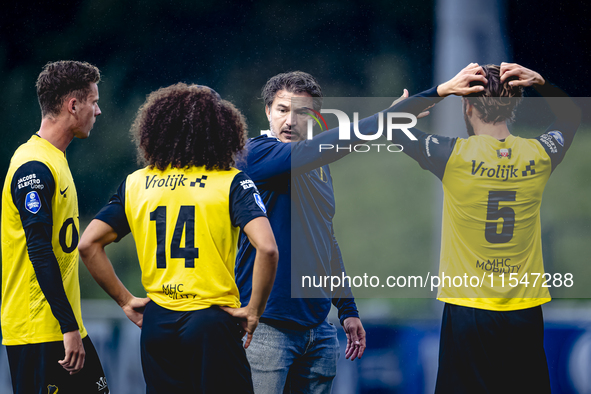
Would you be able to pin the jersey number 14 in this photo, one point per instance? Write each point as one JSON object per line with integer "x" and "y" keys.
{"x": 186, "y": 221}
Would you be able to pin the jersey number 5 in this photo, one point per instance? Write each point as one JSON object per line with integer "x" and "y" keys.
{"x": 186, "y": 221}
{"x": 494, "y": 213}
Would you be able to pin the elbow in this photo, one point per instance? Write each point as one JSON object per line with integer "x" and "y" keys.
{"x": 270, "y": 252}
{"x": 85, "y": 248}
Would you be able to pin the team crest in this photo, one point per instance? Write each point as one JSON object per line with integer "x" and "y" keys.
{"x": 557, "y": 136}
{"x": 32, "y": 202}
{"x": 259, "y": 201}
{"x": 504, "y": 153}
{"x": 51, "y": 389}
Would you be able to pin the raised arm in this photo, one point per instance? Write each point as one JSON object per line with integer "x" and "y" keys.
{"x": 560, "y": 134}
{"x": 432, "y": 151}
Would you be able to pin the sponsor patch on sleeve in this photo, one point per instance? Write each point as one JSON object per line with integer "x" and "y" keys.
{"x": 32, "y": 202}
{"x": 557, "y": 136}
{"x": 247, "y": 184}
{"x": 259, "y": 201}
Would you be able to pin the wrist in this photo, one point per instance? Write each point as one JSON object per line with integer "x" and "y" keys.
{"x": 124, "y": 301}
{"x": 442, "y": 90}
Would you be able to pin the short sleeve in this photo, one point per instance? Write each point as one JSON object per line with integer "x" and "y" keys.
{"x": 114, "y": 213}
{"x": 246, "y": 203}
{"x": 32, "y": 190}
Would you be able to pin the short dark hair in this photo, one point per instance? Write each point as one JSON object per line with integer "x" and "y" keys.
{"x": 498, "y": 101}
{"x": 188, "y": 125}
{"x": 294, "y": 82}
{"x": 62, "y": 79}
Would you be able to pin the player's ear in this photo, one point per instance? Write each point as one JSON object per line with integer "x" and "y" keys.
{"x": 71, "y": 105}
{"x": 467, "y": 107}
{"x": 268, "y": 112}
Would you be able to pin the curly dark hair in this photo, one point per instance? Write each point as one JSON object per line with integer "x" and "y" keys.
{"x": 61, "y": 80}
{"x": 498, "y": 101}
{"x": 294, "y": 82}
{"x": 188, "y": 125}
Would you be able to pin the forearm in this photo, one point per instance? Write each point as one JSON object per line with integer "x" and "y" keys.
{"x": 342, "y": 298}
{"x": 48, "y": 274}
{"x": 263, "y": 277}
{"x": 417, "y": 103}
{"x": 567, "y": 113}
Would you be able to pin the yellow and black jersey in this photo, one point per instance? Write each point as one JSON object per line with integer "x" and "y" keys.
{"x": 40, "y": 232}
{"x": 185, "y": 223}
{"x": 491, "y": 210}
{"x": 491, "y": 221}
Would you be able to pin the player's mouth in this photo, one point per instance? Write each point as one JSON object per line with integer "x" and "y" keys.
{"x": 290, "y": 134}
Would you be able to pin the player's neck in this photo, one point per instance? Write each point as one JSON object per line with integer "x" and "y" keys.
{"x": 496, "y": 130}
{"x": 56, "y": 132}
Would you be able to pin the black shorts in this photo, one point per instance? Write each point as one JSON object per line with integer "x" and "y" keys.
{"x": 193, "y": 352}
{"x": 484, "y": 351}
{"x": 34, "y": 369}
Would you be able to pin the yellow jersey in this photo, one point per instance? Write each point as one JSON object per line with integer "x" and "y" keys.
{"x": 38, "y": 189}
{"x": 185, "y": 223}
{"x": 491, "y": 223}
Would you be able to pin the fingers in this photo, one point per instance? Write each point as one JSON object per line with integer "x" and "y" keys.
{"x": 353, "y": 351}
{"x": 511, "y": 72}
{"x": 73, "y": 362}
{"x": 348, "y": 349}
{"x": 142, "y": 302}
{"x": 79, "y": 363}
{"x": 404, "y": 96}
{"x": 423, "y": 114}
{"x": 248, "y": 340}
{"x": 66, "y": 361}
{"x": 352, "y": 345}
{"x": 231, "y": 311}
{"x": 363, "y": 343}
{"x": 508, "y": 67}
{"x": 520, "y": 83}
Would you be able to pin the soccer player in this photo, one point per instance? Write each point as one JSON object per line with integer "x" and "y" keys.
{"x": 185, "y": 210}
{"x": 296, "y": 347}
{"x": 492, "y": 336}
{"x": 47, "y": 345}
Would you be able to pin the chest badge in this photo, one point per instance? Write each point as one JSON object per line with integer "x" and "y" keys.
{"x": 504, "y": 153}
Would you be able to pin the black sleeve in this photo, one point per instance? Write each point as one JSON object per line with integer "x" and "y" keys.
{"x": 49, "y": 275}
{"x": 560, "y": 134}
{"x": 342, "y": 298}
{"x": 114, "y": 213}
{"x": 32, "y": 189}
{"x": 430, "y": 151}
{"x": 245, "y": 201}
